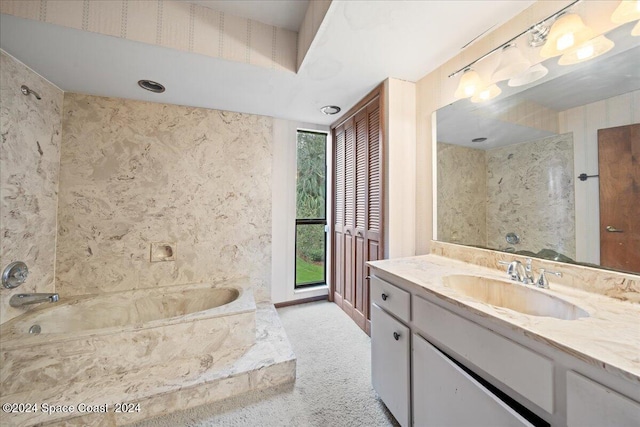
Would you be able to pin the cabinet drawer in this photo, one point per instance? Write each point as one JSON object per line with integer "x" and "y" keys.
{"x": 445, "y": 395}
{"x": 591, "y": 404}
{"x": 525, "y": 371}
{"x": 390, "y": 363}
{"x": 393, "y": 299}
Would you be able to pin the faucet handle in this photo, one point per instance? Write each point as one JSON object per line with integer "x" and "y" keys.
{"x": 14, "y": 275}
{"x": 542, "y": 281}
{"x": 528, "y": 264}
{"x": 512, "y": 269}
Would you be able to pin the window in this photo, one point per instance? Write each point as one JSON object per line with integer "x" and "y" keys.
{"x": 311, "y": 208}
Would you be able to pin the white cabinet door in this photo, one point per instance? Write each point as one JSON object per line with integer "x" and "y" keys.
{"x": 525, "y": 371}
{"x": 390, "y": 363}
{"x": 445, "y": 395}
{"x": 591, "y": 404}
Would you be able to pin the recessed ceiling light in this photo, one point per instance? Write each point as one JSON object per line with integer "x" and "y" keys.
{"x": 483, "y": 139}
{"x": 151, "y": 86}
{"x": 330, "y": 109}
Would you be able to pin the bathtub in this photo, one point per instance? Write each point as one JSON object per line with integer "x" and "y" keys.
{"x": 100, "y": 351}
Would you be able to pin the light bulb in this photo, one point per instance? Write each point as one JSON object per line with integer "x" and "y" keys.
{"x": 512, "y": 62}
{"x": 565, "y": 42}
{"x": 470, "y": 90}
{"x": 585, "y": 52}
{"x": 566, "y": 32}
{"x": 487, "y": 93}
{"x": 469, "y": 84}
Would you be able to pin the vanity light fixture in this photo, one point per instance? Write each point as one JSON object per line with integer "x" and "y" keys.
{"x": 470, "y": 83}
{"x": 151, "y": 86}
{"x": 568, "y": 31}
{"x": 534, "y": 73}
{"x": 627, "y": 11}
{"x": 487, "y": 93}
{"x": 589, "y": 50}
{"x": 330, "y": 109}
{"x": 512, "y": 62}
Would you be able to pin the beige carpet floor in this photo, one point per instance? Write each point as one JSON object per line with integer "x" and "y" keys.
{"x": 332, "y": 388}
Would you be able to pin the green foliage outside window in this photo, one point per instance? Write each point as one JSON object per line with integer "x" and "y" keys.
{"x": 310, "y": 204}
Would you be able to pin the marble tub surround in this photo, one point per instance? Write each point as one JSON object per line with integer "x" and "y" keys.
{"x": 29, "y": 162}
{"x": 462, "y": 194}
{"x": 135, "y": 173}
{"x": 530, "y": 192}
{"x": 202, "y": 356}
{"x": 609, "y": 338}
{"x": 88, "y": 316}
{"x": 270, "y": 361}
{"x": 613, "y": 284}
{"x": 526, "y": 189}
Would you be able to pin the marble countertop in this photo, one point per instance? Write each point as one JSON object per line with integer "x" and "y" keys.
{"x": 608, "y": 338}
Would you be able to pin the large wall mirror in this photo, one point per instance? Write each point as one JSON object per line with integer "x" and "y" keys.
{"x": 550, "y": 169}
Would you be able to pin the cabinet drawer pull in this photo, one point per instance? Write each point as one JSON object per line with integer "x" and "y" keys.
{"x": 384, "y": 297}
{"x": 396, "y": 336}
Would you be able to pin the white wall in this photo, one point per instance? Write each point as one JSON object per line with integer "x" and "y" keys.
{"x": 400, "y": 173}
{"x": 584, "y": 122}
{"x": 284, "y": 211}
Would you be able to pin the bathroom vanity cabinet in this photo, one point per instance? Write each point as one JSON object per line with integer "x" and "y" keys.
{"x": 445, "y": 394}
{"x": 390, "y": 347}
{"x": 435, "y": 363}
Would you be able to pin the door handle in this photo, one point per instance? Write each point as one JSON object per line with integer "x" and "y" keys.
{"x": 612, "y": 229}
{"x": 347, "y": 232}
{"x": 359, "y": 233}
{"x": 396, "y": 335}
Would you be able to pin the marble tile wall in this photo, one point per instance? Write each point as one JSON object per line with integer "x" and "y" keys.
{"x": 530, "y": 192}
{"x": 134, "y": 173}
{"x": 174, "y": 24}
{"x": 462, "y": 195}
{"x": 29, "y": 162}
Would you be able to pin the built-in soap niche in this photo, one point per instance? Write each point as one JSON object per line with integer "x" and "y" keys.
{"x": 163, "y": 251}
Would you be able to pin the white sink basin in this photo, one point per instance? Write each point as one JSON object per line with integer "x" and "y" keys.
{"x": 513, "y": 296}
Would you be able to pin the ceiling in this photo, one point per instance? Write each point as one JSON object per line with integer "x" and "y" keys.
{"x": 565, "y": 87}
{"x": 359, "y": 44}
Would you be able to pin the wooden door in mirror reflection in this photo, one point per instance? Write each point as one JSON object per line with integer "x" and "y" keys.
{"x": 619, "y": 170}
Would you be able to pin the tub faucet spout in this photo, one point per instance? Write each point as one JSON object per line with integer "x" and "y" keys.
{"x": 19, "y": 300}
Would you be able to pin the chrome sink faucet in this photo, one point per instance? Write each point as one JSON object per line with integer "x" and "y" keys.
{"x": 518, "y": 272}
{"x": 19, "y": 300}
{"x": 524, "y": 273}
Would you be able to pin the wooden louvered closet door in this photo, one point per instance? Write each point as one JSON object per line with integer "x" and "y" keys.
{"x": 357, "y": 191}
